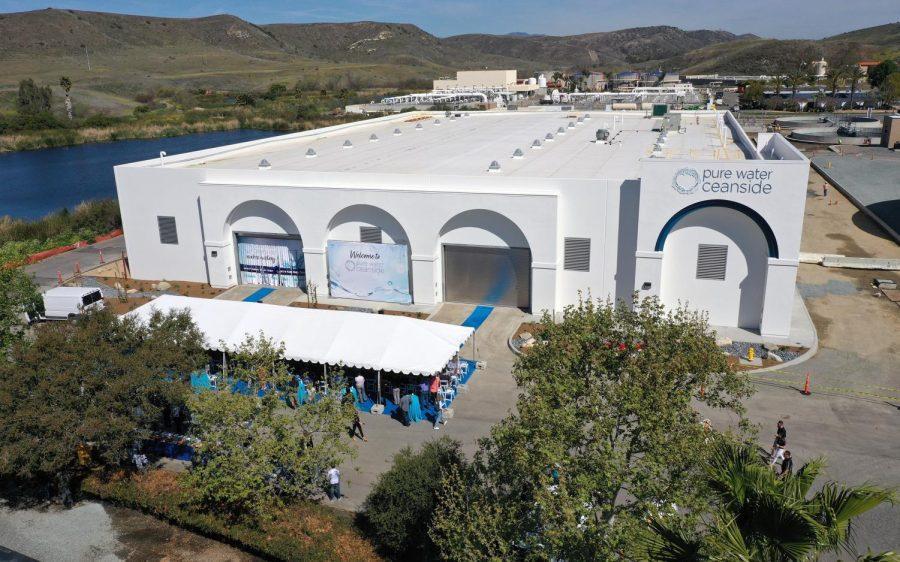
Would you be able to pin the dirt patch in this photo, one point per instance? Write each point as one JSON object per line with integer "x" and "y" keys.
{"x": 183, "y": 288}
{"x": 407, "y": 313}
{"x": 121, "y": 307}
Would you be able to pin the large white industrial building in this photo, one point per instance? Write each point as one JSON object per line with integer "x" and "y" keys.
{"x": 513, "y": 208}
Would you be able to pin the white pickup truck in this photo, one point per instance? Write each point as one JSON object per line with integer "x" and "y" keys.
{"x": 62, "y": 303}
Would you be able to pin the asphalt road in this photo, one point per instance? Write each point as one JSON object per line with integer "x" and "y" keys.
{"x": 45, "y": 272}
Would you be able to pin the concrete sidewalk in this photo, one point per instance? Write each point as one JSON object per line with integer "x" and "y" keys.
{"x": 491, "y": 395}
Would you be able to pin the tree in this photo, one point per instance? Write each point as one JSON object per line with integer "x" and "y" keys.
{"x": 604, "y": 431}
{"x": 253, "y": 453}
{"x": 20, "y": 300}
{"x": 33, "y": 99}
{"x": 833, "y": 77}
{"x": 96, "y": 385}
{"x": 854, "y": 75}
{"x": 756, "y": 515}
{"x": 402, "y": 502}
{"x": 889, "y": 91}
{"x": 879, "y": 73}
{"x": 66, "y": 84}
{"x": 754, "y": 95}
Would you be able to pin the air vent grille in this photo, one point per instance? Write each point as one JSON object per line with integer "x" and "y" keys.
{"x": 168, "y": 233}
{"x": 577, "y": 254}
{"x": 370, "y": 234}
{"x": 712, "y": 260}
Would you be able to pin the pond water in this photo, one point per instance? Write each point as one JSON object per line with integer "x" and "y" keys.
{"x": 34, "y": 183}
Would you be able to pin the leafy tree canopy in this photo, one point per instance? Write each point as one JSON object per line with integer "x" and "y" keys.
{"x": 33, "y": 99}
{"x": 605, "y": 433}
{"x": 94, "y": 385}
{"x": 879, "y": 73}
{"x": 19, "y": 300}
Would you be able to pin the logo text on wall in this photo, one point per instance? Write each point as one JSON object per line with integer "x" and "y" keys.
{"x": 723, "y": 180}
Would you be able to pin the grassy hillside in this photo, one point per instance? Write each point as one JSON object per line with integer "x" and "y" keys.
{"x": 114, "y": 59}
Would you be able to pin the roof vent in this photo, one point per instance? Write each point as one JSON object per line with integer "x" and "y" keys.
{"x": 494, "y": 167}
{"x": 571, "y": 125}
{"x": 453, "y": 117}
{"x": 549, "y": 137}
{"x": 580, "y": 121}
{"x": 397, "y": 132}
{"x": 264, "y": 165}
{"x": 518, "y": 154}
{"x": 419, "y": 127}
{"x": 373, "y": 138}
{"x": 348, "y": 144}
{"x": 536, "y": 145}
{"x": 437, "y": 121}
{"x": 466, "y": 115}
{"x": 310, "y": 153}
{"x": 587, "y": 116}
{"x": 560, "y": 131}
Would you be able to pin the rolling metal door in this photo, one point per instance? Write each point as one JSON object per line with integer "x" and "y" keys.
{"x": 487, "y": 275}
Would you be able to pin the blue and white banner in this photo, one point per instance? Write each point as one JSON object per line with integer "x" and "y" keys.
{"x": 373, "y": 272}
{"x": 271, "y": 261}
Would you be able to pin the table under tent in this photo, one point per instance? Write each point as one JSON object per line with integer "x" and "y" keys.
{"x": 396, "y": 355}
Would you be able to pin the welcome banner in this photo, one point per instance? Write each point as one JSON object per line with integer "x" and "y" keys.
{"x": 373, "y": 272}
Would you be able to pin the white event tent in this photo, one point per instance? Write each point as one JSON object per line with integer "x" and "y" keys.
{"x": 329, "y": 337}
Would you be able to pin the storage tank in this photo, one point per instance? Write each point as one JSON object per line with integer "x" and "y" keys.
{"x": 532, "y": 81}
{"x": 542, "y": 81}
{"x": 624, "y": 105}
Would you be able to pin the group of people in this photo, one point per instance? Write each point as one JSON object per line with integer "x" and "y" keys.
{"x": 779, "y": 456}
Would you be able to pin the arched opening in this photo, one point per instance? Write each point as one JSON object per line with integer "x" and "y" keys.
{"x": 269, "y": 248}
{"x": 369, "y": 256}
{"x": 486, "y": 259}
{"x": 715, "y": 260}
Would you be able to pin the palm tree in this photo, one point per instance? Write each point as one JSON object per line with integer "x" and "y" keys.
{"x": 66, "y": 84}
{"x": 855, "y": 74}
{"x": 833, "y": 77}
{"x": 759, "y": 516}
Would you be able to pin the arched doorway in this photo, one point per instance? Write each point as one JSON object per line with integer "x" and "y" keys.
{"x": 715, "y": 260}
{"x": 486, "y": 259}
{"x": 369, "y": 256}
{"x": 269, "y": 248}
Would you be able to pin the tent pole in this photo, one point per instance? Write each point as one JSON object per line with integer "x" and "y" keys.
{"x": 379, "y": 386}
{"x": 224, "y": 365}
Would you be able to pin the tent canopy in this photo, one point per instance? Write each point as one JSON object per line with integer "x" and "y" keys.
{"x": 357, "y": 339}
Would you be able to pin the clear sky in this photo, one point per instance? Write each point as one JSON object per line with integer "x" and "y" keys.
{"x": 786, "y": 19}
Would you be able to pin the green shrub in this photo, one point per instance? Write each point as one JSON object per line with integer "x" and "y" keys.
{"x": 398, "y": 511}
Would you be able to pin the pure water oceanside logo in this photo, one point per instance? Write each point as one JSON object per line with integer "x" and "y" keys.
{"x": 723, "y": 180}
{"x": 686, "y": 181}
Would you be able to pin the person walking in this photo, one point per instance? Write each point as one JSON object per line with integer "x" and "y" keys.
{"x": 357, "y": 424}
{"x": 778, "y": 453}
{"x": 360, "y": 382}
{"x": 439, "y": 416}
{"x": 404, "y": 408}
{"x": 787, "y": 465}
{"x": 780, "y": 432}
{"x": 334, "y": 483}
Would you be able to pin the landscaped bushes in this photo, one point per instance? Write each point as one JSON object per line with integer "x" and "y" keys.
{"x": 20, "y": 238}
{"x": 303, "y": 531}
{"x": 397, "y": 513}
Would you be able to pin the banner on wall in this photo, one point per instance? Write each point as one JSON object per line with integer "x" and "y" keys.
{"x": 271, "y": 261}
{"x": 373, "y": 272}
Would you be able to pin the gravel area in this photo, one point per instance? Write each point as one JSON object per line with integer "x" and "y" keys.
{"x": 82, "y": 533}
{"x": 740, "y": 349}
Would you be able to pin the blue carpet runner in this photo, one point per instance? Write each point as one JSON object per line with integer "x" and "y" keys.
{"x": 259, "y": 294}
{"x": 478, "y": 316}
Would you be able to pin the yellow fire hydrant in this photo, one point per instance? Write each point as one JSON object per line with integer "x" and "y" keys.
{"x": 751, "y": 353}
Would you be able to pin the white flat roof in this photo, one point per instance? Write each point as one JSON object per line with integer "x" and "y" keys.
{"x": 432, "y": 144}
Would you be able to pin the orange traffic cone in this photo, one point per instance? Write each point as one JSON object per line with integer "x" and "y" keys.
{"x": 702, "y": 392}
{"x": 806, "y": 386}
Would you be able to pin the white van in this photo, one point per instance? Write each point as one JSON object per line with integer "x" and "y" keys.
{"x": 61, "y": 303}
